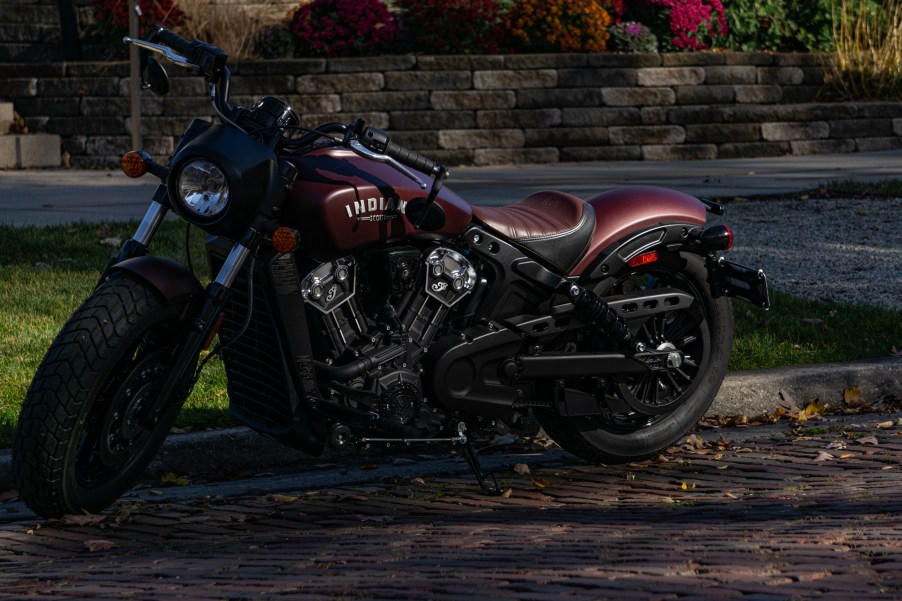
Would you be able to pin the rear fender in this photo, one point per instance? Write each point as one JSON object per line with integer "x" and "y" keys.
{"x": 631, "y": 220}
{"x": 171, "y": 279}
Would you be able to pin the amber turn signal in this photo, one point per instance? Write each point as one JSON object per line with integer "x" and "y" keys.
{"x": 134, "y": 163}
{"x": 285, "y": 239}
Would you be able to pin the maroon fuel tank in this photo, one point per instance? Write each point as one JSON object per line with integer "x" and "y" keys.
{"x": 625, "y": 211}
{"x": 342, "y": 203}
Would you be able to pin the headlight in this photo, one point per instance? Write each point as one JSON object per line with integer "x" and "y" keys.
{"x": 203, "y": 188}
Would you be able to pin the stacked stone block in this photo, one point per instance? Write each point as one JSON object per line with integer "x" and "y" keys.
{"x": 484, "y": 110}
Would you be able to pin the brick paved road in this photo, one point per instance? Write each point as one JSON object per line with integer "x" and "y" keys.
{"x": 758, "y": 518}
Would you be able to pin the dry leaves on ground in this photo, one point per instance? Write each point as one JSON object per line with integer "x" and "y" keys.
{"x": 99, "y": 545}
{"x": 521, "y": 468}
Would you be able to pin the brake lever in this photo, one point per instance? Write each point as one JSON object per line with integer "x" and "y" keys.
{"x": 366, "y": 153}
{"x": 171, "y": 56}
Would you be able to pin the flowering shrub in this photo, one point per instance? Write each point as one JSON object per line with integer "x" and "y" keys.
{"x": 633, "y": 37}
{"x": 780, "y": 25}
{"x": 559, "y": 25}
{"x": 343, "y": 27}
{"x": 111, "y": 21}
{"x": 684, "y": 24}
{"x": 454, "y": 26}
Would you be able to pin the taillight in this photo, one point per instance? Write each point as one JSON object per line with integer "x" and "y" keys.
{"x": 717, "y": 237}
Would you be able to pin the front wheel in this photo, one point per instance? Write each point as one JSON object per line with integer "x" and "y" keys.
{"x": 88, "y": 428}
{"x": 642, "y": 416}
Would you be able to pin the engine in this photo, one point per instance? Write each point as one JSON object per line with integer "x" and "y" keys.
{"x": 376, "y": 319}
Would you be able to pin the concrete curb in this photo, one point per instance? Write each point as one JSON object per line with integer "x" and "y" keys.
{"x": 743, "y": 393}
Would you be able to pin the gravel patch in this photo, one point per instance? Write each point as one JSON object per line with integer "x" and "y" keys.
{"x": 847, "y": 250}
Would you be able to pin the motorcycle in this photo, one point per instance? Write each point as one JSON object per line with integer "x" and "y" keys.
{"x": 358, "y": 301}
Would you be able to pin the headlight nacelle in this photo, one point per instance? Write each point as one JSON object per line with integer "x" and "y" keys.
{"x": 221, "y": 177}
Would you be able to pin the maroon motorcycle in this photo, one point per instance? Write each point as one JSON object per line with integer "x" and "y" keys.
{"x": 357, "y": 301}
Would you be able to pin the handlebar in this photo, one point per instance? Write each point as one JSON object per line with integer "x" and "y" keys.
{"x": 173, "y": 40}
{"x": 378, "y": 140}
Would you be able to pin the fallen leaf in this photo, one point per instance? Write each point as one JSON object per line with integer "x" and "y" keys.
{"x": 722, "y": 444}
{"x": 852, "y": 397}
{"x": 885, "y": 425}
{"x": 868, "y": 440}
{"x": 722, "y": 467}
{"x": 115, "y": 241}
{"x": 155, "y": 492}
{"x": 506, "y": 494}
{"x": 82, "y": 520}
{"x": 662, "y": 459}
{"x": 9, "y": 496}
{"x": 419, "y": 481}
{"x": 540, "y": 482}
{"x": 375, "y": 518}
{"x": 817, "y": 323}
{"x": 824, "y": 456}
{"x": 99, "y": 545}
{"x": 284, "y": 498}
{"x": 521, "y": 468}
{"x": 846, "y": 455}
{"x": 686, "y": 486}
{"x": 837, "y": 445}
{"x": 787, "y": 401}
{"x": 730, "y": 495}
{"x": 814, "y": 409}
{"x": 668, "y": 500}
{"x": 174, "y": 480}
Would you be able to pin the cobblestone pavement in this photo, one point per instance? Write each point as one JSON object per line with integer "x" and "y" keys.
{"x": 766, "y": 514}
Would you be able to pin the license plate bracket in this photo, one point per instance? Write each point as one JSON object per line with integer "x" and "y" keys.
{"x": 743, "y": 283}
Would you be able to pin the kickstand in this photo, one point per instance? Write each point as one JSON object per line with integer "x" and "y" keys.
{"x": 490, "y": 488}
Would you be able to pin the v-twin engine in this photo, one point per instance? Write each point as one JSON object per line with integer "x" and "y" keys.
{"x": 374, "y": 320}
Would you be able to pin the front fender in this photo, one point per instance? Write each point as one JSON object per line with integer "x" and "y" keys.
{"x": 171, "y": 279}
{"x": 627, "y": 213}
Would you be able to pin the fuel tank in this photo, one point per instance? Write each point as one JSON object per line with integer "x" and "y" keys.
{"x": 342, "y": 203}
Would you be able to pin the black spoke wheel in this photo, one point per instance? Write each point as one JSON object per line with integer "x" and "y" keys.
{"x": 92, "y": 420}
{"x": 643, "y": 415}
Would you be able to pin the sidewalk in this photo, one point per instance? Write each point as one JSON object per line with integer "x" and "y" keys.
{"x": 755, "y": 513}
{"x": 60, "y": 196}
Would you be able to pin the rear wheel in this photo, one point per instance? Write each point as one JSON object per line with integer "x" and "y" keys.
{"x": 643, "y": 415}
{"x": 87, "y": 428}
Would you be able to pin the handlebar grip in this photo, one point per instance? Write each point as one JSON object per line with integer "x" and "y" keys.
{"x": 412, "y": 159}
{"x": 378, "y": 140}
{"x": 174, "y": 41}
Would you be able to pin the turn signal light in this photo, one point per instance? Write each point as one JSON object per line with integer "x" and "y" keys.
{"x": 134, "y": 163}
{"x": 643, "y": 259}
{"x": 285, "y": 239}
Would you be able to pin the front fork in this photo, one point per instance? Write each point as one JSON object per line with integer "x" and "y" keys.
{"x": 202, "y": 325}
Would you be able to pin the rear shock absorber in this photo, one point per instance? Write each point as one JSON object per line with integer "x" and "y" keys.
{"x": 599, "y": 313}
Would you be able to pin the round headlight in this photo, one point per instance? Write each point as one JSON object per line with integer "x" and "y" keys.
{"x": 203, "y": 188}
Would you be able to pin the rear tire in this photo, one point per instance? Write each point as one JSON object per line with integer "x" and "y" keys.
{"x": 621, "y": 437}
{"x": 85, "y": 433}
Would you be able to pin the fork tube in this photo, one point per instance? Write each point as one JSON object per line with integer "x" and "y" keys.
{"x": 151, "y": 222}
{"x": 233, "y": 264}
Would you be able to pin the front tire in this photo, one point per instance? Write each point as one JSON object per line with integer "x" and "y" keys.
{"x": 642, "y": 420}
{"x": 86, "y": 430}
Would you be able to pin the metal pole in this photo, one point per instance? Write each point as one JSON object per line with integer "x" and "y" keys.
{"x": 69, "y": 30}
{"x": 135, "y": 75}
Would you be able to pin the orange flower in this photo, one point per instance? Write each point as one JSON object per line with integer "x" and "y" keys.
{"x": 559, "y": 25}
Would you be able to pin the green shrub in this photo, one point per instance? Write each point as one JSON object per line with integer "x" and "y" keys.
{"x": 779, "y": 25}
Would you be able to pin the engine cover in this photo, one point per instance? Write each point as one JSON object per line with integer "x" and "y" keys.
{"x": 449, "y": 276}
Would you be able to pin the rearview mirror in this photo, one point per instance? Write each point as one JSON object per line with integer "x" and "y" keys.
{"x": 154, "y": 77}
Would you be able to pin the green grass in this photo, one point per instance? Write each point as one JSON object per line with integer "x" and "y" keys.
{"x": 46, "y": 272}
{"x": 780, "y": 336}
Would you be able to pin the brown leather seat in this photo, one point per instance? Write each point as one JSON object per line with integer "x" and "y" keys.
{"x": 556, "y": 226}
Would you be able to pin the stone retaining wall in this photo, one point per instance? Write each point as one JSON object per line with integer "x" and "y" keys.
{"x": 487, "y": 110}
